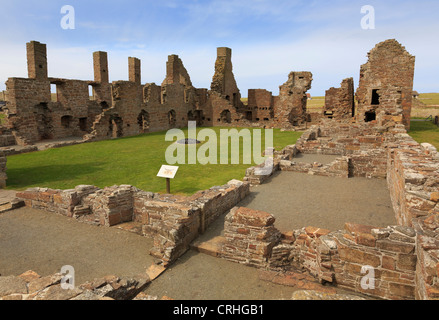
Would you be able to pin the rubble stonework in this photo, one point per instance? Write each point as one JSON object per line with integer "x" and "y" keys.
{"x": 385, "y": 90}
{"x": 404, "y": 258}
{"x": 173, "y": 221}
{"x": 126, "y": 108}
{"x": 32, "y": 286}
{"x": 339, "y": 102}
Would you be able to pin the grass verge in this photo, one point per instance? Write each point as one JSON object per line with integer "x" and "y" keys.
{"x": 133, "y": 160}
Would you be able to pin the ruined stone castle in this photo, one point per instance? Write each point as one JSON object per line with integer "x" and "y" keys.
{"x": 370, "y": 139}
{"x": 126, "y": 108}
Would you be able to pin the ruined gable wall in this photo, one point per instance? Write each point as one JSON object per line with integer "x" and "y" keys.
{"x": 389, "y": 67}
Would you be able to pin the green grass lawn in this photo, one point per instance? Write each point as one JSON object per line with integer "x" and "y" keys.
{"x": 133, "y": 160}
{"x": 425, "y": 131}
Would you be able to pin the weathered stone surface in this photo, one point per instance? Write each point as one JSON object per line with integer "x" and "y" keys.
{"x": 251, "y": 218}
{"x": 317, "y": 295}
{"x": 360, "y": 257}
{"x": 44, "y": 282}
{"x": 12, "y": 285}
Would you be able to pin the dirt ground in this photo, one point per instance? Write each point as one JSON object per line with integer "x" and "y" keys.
{"x": 198, "y": 276}
{"x": 300, "y": 200}
{"x": 45, "y": 242}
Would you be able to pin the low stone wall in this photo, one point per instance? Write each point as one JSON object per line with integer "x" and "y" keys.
{"x": 345, "y": 258}
{"x": 172, "y": 221}
{"x": 413, "y": 180}
{"x": 337, "y": 168}
{"x": 427, "y": 251}
{"x": 258, "y": 175}
{"x": 32, "y": 286}
{"x": 404, "y": 259}
{"x": 249, "y": 237}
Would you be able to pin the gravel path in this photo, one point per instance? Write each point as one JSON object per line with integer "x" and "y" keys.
{"x": 300, "y": 200}
{"x": 44, "y": 242}
{"x": 198, "y": 276}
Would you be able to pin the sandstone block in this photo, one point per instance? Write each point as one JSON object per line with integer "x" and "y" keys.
{"x": 394, "y": 246}
{"x": 12, "y": 285}
{"x": 251, "y": 218}
{"x": 359, "y": 257}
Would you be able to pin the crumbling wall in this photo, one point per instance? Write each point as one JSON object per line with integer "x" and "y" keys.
{"x": 32, "y": 114}
{"x": 260, "y": 105}
{"x": 225, "y": 105}
{"x": 250, "y": 236}
{"x": 3, "y": 169}
{"x": 31, "y": 286}
{"x": 223, "y": 81}
{"x": 98, "y": 109}
{"x": 339, "y": 102}
{"x": 413, "y": 180}
{"x": 385, "y": 90}
{"x": 290, "y": 107}
{"x": 172, "y": 221}
{"x": 363, "y": 144}
{"x": 403, "y": 258}
{"x": 338, "y": 258}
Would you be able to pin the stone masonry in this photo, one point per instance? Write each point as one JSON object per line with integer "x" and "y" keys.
{"x": 172, "y": 221}
{"x": 403, "y": 258}
{"x": 386, "y": 85}
{"x": 41, "y": 108}
{"x": 339, "y": 102}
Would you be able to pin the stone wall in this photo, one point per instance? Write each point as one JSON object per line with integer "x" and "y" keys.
{"x": 260, "y": 105}
{"x": 173, "y": 221}
{"x": 342, "y": 258}
{"x": 385, "y": 90}
{"x": 3, "y": 169}
{"x": 290, "y": 106}
{"x": 249, "y": 237}
{"x": 404, "y": 258}
{"x": 365, "y": 145}
{"x": 413, "y": 180}
{"x": 338, "y": 168}
{"x": 339, "y": 102}
{"x": 98, "y": 110}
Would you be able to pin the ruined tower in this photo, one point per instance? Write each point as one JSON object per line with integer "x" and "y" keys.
{"x": 290, "y": 107}
{"x": 385, "y": 90}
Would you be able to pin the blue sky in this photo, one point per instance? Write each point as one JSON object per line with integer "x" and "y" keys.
{"x": 269, "y": 38}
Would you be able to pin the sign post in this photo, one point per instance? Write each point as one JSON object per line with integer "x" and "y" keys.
{"x": 169, "y": 173}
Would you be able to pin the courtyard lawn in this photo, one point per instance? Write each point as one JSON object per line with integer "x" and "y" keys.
{"x": 425, "y": 131}
{"x": 133, "y": 160}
